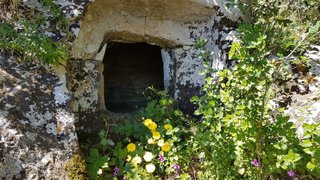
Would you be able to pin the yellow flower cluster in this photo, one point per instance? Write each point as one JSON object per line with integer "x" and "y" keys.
{"x": 165, "y": 146}
{"x": 148, "y": 157}
{"x": 152, "y": 126}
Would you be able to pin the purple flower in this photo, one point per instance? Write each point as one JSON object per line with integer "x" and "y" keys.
{"x": 255, "y": 163}
{"x": 291, "y": 173}
{"x": 115, "y": 171}
{"x": 176, "y": 167}
{"x": 161, "y": 158}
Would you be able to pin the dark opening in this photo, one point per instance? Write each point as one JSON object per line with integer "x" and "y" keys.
{"x": 128, "y": 70}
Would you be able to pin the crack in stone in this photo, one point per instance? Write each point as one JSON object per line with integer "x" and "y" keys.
{"x": 145, "y": 18}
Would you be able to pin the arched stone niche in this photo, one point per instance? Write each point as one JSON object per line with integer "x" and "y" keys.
{"x": 172, "y": 25}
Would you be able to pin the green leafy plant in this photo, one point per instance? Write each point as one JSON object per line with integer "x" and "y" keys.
{"x": 55, "y": 14}
{"x": 97, "y": 160}
{"x": 23, "y": 35}
{"x": 31, "y": 46}
{"x": 311, "y": 146}
{"x": 249, "y": 136}
{"x": 153, "y": 145}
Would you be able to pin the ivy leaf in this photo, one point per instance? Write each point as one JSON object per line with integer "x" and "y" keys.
{"x": 308, "y": 151}
{"x": 234, "y": 47}
{"x": 202, "y": 72}
{"x": 317, "y": 154}
{"x": 310, "y": 166}
{"x": 306, "y": 143}
{"x": 315, "y": 28}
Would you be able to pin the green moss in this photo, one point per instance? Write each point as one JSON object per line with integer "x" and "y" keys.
{"x": 76, "y": 168}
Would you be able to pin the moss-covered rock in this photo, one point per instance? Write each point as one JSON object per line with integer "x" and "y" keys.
{"x": 76, "y": 168}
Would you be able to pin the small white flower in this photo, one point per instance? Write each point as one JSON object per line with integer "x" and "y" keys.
{"x": 137, "y": 160}
{"x": 150, "y": 141}
{"x": 160, "y": 142}
{"x": 128, "y": 158}
{"x": 99, "y": 172}
{"x": 147, "y": 156}
{"x": 150, "y": 168}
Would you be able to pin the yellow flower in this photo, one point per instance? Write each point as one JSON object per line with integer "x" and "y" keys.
{"x": 131, "y": 147}
{"x": 166, "y": 147}
{"x": 148, "y": 156}
{"x": 150, "y": 168}
{"x": 147, "y": 122}
{"x": 156, "y": 135}
{"x": 152, "y": 126}
{"x": 167, "y": 126}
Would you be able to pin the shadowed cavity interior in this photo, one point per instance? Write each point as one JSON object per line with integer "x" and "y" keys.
{"x": 128, "y": 70}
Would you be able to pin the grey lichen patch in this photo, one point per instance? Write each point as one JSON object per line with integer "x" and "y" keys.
{"x": 61, "y": 93}
{"x": 168, "y": 70}
{"x": 37, "y": 132}
{"x": 231, "y": 12}
{"x": 83, "y": 81}
{"x": 188, "y": 68}
{"x": 218, "y": 32}
{"x": 10, "y": 167}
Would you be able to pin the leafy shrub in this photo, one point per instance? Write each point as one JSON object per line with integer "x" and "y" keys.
{"x": 249, "y": 136}
{"x": 311, "y": 147}
{"x": 31, "y": 46}
{"x": 23, "y": 35}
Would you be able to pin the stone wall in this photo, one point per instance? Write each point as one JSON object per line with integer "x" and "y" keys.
{"x": 37, "y": 127}
{"x": 164, "y": 23}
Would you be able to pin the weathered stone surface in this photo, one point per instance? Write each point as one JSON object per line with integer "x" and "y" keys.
{"x": 176, "y": 31}
{"x": 304, "y": 104}
{"x": 83, "y": 81}
{"x": 37, "y": 132}
{"x": 164, "y": 23}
